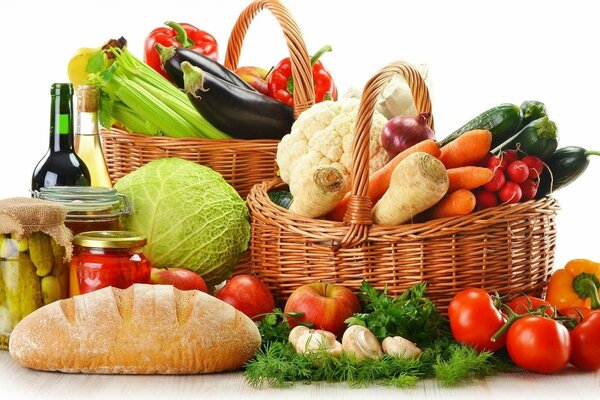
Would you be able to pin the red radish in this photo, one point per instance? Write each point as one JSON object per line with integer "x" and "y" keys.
{"x": 484, "y": 161}
{"x": 529, "y": 189}
{"x": 400, "y": 133}
{"x": 535, "y": 165}
{"x": 517, "y": 171}
{"x": 496, "y": 182}
{"x": 509, "y": 156}
{"x": 486, "y": 199}
{"x": 510, "y": 193}
{"x": 494, "y": 162}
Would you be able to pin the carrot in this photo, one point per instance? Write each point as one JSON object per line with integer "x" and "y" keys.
{"x": 379, "y": 181}
{"x": 418, "y": 183}
{"x": 460, "y": 202}
{"x": 467, "y": 149}
{"x": 468, "y": 177}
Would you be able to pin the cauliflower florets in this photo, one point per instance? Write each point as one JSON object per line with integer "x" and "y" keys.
{"x": 322, "y": 136}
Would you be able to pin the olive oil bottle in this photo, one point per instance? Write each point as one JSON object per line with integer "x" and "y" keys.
{"x": 60, "y": 166}
{"x": 87, "y": 138}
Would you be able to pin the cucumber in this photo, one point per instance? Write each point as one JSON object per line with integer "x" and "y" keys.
{"x": 282, "y": 198}
{"x": 566, "y": 165}
{"x": 538, "y": 138}
{"x": 502, "y": 121}
{"x": 532, "y": 110}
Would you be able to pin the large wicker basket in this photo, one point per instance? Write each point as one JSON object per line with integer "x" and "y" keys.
{"x": 242, "y": 163}
{"x": 509, "y": 248}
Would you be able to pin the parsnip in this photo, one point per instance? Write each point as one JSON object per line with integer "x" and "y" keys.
{"x": 417, "y": 183}
{"x": 318, "y": 191}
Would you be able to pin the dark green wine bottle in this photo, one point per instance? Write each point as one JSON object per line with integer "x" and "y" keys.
{"x": 60, "y": 166}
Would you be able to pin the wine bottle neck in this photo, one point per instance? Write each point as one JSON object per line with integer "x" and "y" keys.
{"x": 61, "y": 123}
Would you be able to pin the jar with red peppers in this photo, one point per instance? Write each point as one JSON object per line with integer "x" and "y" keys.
{"x": 107, "y": 258}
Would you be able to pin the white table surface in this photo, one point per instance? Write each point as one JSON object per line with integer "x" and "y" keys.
{"x": 17, "y": 382}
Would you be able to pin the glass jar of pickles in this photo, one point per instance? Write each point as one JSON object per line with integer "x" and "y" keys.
{"x": 88, "y": 208}
{"x": 34, "y": 248}
{"x": 107, "y": 258}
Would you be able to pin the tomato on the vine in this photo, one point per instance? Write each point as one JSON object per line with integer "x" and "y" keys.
{"x": 524, "y": 304}
{"x": 474, "y": 319}
{"x": 539, "y": 344}
{"x": 585, "y": 339}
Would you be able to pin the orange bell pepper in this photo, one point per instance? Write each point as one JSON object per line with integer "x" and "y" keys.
{"x": 576, "y": 285}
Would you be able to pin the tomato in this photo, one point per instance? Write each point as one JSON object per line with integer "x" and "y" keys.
{"x": 539, "y": 344}
{"x": 579, "y": 313}
{"x": 518, "y": 171}
{"x": 585, "y": 339}
{"x": 524, "y": 304}
{"x": 474, "y": 319}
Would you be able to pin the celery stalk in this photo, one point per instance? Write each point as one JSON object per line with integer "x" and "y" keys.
{"x": 145, "y": 102}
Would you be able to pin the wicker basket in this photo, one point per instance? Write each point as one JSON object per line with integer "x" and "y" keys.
{"x": 509, "y": 248}
{"x": 242, "y": 163}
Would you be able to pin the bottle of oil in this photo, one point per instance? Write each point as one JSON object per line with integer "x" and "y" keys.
{"x": 87, "y": 139}
{"x": 60, "y": 166}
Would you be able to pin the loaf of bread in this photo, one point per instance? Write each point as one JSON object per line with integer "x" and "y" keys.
{"x": 146, "y": 329}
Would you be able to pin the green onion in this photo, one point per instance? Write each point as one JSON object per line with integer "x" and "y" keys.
{"x": 144, "y": 102}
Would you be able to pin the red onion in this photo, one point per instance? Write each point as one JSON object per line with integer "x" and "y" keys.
{"x": 400, "y": 133}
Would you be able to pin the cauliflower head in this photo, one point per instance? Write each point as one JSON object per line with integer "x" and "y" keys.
{"x": 322, "y": 136}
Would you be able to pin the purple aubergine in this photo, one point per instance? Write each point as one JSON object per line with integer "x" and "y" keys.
{"x": 400, "y": 133}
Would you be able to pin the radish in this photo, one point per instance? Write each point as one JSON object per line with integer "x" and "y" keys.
{"x": 496, "y": 182}
{"x": 529, "y": 189}
{"x": 517, "y": 171}
{"x": 486, "y": 199}
{"x": 510, "y": 193}
{"x": 535, "y": 165}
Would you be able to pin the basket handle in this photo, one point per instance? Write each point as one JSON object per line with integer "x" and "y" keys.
{"x": 304, "y": 90}
{"x": 358, "y": 213}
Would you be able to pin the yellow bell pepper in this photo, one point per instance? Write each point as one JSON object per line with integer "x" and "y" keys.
{"x": 577, "y": 285}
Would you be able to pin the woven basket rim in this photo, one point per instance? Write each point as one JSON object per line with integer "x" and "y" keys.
{"x": 116, "y": 132}
{"x": 335, "y": 230}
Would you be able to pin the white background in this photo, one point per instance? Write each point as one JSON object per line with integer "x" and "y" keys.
{"x": 480, "y": 54}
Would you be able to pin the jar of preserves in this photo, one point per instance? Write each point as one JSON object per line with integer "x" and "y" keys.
{"x": 88, "y": 208}
{"x": 34, "y": 248}
{"x": 107, "y": 258}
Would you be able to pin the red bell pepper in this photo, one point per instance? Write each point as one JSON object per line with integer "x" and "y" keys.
{"x": 281, "y": 85}
{"x": 179, "y": 35}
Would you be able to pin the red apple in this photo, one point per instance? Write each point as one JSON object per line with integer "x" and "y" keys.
{"x": 324, "y": 304}
{"x": 255, "y": 77}
{"x": 182, "y": 279}
{"x": 248, "y": 294}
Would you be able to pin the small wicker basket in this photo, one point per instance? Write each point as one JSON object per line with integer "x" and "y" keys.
{"x": 242, "y": 163}
{"x": 509, "y": 248}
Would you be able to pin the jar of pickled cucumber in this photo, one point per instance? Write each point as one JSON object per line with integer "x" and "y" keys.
{"x": 88, "y": 208}
{"x": 35, "y": 247}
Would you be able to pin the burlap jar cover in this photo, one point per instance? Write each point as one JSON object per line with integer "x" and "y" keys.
{"x": 35, "y": 247}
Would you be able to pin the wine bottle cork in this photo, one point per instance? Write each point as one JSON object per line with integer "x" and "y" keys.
{"x": 87, "y": 98}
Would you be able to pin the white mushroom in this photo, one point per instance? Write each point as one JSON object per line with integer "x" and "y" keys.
{"x": 397, "y": 346}
{"x": 306, "y": 340}
{"x": 361, "y": 343}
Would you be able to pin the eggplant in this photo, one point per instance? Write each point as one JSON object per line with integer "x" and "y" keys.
{"x": 172, "y": 57}
{"x": 241, "y": 113}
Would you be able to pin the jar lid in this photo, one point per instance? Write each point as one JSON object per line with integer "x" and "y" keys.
{"x": 110, "y": 239}
{"x": 87, "y": 201}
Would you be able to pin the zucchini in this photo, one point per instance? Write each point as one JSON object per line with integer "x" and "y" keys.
{"x": 282, "y": 198}
{"x": 532, "y": 110}
{"x": 502, "y": 121}
{"x": 563, "y": 167}
{"x": 538, "y": 138}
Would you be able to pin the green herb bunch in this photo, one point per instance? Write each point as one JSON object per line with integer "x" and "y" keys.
{"x": 411, "y": 315}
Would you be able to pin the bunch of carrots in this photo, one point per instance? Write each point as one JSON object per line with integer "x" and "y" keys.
{"x": 460, "y": 158}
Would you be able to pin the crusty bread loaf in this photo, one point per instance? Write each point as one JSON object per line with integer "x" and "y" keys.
{"x": 146, "y": 329}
